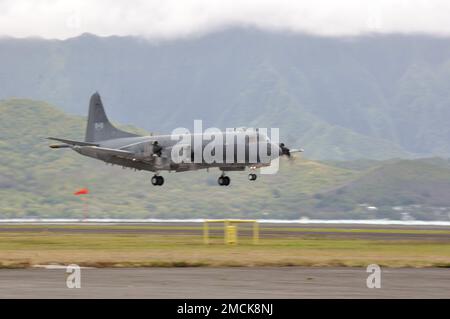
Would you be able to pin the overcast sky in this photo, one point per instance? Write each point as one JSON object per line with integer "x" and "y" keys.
{"x": 169, "y": 18}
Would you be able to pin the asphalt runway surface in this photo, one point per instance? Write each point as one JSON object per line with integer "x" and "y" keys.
{"x": 235, "y": 282}
{"x": 266, "y": 230}
{"x": 288, "y": 282}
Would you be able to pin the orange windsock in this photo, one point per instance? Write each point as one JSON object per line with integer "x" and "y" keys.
{"x": 82, "y": 191}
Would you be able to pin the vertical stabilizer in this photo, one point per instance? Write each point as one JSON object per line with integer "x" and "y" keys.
{"x": 98, "y": 126}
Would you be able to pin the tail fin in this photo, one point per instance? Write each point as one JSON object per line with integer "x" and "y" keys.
{"x": 98, "y": 126}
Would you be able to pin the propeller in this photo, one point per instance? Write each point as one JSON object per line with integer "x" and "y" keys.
{"x": 156, "y": 149}
{"x": 285, "y": 151}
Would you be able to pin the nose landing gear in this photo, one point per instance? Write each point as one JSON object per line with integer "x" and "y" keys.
{"x": 252, "y": 177}
{"x": 223, "y": 180}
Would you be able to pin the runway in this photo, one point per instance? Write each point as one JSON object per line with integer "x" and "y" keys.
{"x": 155, "y": 244}
{"x": 287, "y": 282}
{"x": 267, "y": 230}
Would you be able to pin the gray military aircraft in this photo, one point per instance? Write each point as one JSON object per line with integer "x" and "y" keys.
{"x": 154, "y": 153}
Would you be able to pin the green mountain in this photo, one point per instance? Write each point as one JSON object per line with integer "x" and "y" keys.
{"x": 419, "y": 186}
{"x": 377, "y": 97}
{"x": 38, "y": 181}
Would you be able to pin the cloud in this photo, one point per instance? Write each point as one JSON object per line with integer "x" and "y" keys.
{"x": 179, "y": 18}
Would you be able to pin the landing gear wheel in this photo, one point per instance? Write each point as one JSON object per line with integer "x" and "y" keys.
{"x": 157, "y": 180}
{"x": 252, "y": 177}
{"x": 223, "y": 181}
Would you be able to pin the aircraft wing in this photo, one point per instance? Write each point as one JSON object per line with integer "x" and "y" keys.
{"x": 102, "y": 151}
{"x": 92, "y": 149}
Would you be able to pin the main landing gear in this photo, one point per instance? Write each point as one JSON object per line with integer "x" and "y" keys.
{"x": 157, "y": 180}
{"x": 223, "y": 180}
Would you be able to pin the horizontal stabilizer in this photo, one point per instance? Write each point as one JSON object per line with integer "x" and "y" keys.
{"x": 71, "y": 142}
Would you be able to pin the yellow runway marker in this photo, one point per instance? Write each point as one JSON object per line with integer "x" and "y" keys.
{"x": 230, "y": 230}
